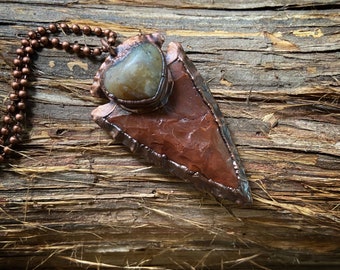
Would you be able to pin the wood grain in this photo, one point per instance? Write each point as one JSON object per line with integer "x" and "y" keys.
{"x": 76, "y": 200}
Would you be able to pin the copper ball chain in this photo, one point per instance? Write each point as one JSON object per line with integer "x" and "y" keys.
{"x": 12, "y": 130}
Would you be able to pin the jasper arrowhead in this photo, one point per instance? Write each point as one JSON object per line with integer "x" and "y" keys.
{"x": 187, "y": 136}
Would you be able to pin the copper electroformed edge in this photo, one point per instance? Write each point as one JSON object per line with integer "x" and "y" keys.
{"x": 239, "y": 194}
{"x": 242, "y": 194}
{"x": 144, "y": 105}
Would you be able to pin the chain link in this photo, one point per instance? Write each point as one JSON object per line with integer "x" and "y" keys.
{"x": 12, "y": 131}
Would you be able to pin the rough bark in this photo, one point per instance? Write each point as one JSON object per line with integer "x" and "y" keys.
{"x": 76, "y": 200}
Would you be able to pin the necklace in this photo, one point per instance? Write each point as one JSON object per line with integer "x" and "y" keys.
{"x": 12, "y": 128}
{"x": 159, "y": 106}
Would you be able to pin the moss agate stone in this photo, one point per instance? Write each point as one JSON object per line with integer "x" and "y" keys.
{"x": 137, "y": 76}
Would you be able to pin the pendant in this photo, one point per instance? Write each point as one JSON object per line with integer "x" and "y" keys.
{"x": 161, "y": 108}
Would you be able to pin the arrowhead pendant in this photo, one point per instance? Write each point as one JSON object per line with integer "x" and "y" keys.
{"x": 161, "y": 108}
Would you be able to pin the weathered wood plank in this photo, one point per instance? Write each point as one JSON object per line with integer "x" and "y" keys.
{"x": 74, "y": 199}
{"x": 198, "y": 4}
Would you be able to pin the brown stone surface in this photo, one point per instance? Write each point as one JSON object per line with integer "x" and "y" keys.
{"x": 185, "y": 130}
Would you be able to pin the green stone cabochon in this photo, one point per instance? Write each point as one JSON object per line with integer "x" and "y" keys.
{"x": 136, "y": 76}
